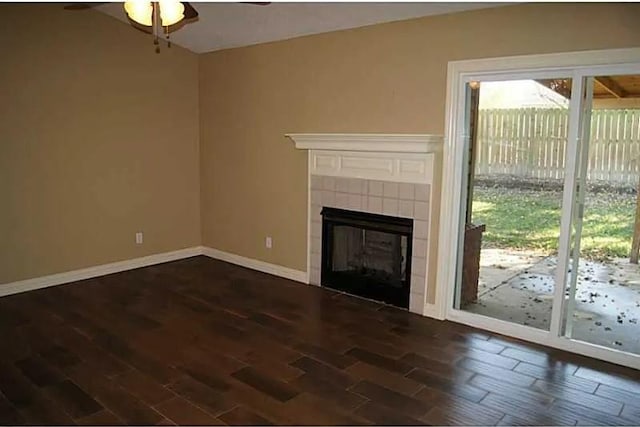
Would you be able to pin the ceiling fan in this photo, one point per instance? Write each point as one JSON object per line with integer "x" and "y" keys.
{"x": 156, "y": 17}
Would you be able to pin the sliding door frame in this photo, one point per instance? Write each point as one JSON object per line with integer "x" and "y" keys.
{"x": 574, "y": 65}
{"x": 577, "y": 203}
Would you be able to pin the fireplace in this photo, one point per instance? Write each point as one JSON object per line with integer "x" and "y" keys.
{"x": 367, "y": 254}
{"x": 395, "y": 177}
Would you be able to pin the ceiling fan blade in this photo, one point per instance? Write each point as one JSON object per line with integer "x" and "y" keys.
{"x": 82, "y": 6}
{"x": 189, "y": 11}
{"x": 257, "y": 3}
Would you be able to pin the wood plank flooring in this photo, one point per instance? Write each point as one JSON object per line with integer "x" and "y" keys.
{"x": 202, "y": 342}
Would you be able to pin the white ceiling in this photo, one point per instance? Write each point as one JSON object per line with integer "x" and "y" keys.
{"x": 225, "y": 25}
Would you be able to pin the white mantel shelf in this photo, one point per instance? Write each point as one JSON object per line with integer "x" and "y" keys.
{"x": 370, "y": 142}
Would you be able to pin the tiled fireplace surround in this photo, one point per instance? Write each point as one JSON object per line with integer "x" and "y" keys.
{"x": 389, "y": 174}
{"x": 405, "y": 200}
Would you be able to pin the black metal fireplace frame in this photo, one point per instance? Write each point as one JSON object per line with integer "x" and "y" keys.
{"x": 365, "y": 287}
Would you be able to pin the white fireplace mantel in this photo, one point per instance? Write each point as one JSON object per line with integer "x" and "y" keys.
{"x": 387, "y": 157}
{"x": 414, "y": 159}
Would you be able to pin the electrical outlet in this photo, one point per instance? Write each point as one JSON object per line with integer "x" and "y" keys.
{"x": 268, "y": 242}
{"x": 139, "y": 238}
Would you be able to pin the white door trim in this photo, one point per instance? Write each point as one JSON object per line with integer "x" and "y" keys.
{"x": 571, "y": 64}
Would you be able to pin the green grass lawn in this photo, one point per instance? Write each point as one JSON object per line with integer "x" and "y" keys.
{"x": 528, "y": 219}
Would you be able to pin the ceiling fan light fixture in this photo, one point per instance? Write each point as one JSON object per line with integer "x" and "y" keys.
{"x": 140, "y": 11}
{"x": 171, "y": 12}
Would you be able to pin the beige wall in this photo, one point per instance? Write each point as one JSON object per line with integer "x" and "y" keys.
{"x": 98, "y": 139}
{"x": 383, "y": 78}
{"x": 99, "y": 135}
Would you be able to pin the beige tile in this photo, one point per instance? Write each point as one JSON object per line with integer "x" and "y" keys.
{"x": 374, "y": 204}
{"x": 418, "y": 266}
{"x": 390, "y": 206}
{"x": 315, "y": 212}
{"x": 375, "y": 188}
{"x": 316, "y": 182}
{"x": 420, "y": 229}
{"x": 316, "y": 229}
{"x": 315, "y": 262}
{"x": 418, "y": 284}
{"x": 328, "y": 198}
{"x": 316, "y": 245}
{"x": 316, "y": 197}
{"x": 406, "y": 191}
{"x": 342, "y": 200}
{"x": 355, "y": 202}
{"x": 416, "y": 303}
{"x": 355, "y": 186}
{"x": 390, "y": 189}
{"x": 328, "y": 183}
{"x": 419, "y": 247}
{"x": 342, "y": 185}
{"x": 405, "y": 208}
{"x": 365, "y": 187}
{"x": 422, "y": 192}
{"x": 421, "y": 210}
{"x": 315, "y": 276}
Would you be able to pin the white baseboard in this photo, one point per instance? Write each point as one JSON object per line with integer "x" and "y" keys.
{"x": 99, "y": 270}
{"x": 116, "y": 267}
{"x": 431, "y": 310}
{"x": 254, "y": 264}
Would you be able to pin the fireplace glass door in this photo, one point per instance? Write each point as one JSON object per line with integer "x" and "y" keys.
{"x": 367, "y": 255}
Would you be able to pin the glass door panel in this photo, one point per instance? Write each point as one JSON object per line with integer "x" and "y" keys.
{"x": 602, "y": 303}
{"x": 516, "y": 133}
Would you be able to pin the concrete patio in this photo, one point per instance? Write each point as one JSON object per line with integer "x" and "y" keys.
{"x": 518, "y": 286}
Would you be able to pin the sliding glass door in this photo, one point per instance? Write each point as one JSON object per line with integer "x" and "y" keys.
{"x": 602, "y": 301}
{"x": 548, "y": 222}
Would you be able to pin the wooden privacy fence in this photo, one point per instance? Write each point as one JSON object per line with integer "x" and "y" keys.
{"x": 531, "y": 143}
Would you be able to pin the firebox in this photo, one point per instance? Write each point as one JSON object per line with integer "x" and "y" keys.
{"x": 366, "y": 254}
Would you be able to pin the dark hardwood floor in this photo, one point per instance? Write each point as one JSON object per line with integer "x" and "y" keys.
{"x": 199, "y": 341}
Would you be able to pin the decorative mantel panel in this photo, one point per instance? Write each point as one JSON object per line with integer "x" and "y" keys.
{"x": 399, "y": 158}
{"x": 389, "y": 174}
